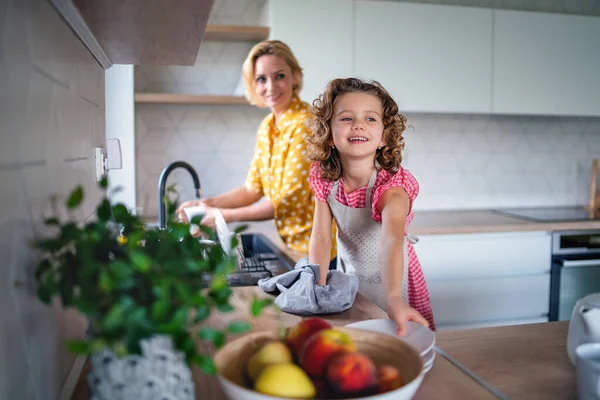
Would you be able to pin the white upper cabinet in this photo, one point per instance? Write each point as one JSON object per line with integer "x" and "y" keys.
{"x": 321, "y": 36}
{"x": 430, "y": 58}
{"x": 546, "y": 64}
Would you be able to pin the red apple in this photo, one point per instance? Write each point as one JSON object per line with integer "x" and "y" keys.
{"x": 322, "y": 345}
{"x": 388, "y": 378}
{"x": 299, "y": 334}
{"x": 351, "y": 374}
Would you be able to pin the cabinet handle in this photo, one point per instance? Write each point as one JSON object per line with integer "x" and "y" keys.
{"x": 580, "y": 263}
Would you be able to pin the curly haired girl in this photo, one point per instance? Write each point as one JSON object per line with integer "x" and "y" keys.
{"x": 357, "y": 180}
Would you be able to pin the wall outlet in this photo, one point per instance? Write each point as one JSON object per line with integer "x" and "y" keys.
{"x": 101, "y": 166}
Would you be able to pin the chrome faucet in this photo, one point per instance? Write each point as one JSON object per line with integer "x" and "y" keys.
{"x": 162, "y": 219}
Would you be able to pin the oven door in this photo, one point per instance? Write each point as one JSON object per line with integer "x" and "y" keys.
{"x": 571, "y": 278}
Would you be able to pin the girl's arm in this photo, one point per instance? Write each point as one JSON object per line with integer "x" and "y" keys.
{"x": 319, "y": 246}
{"x": 395, "y": 206}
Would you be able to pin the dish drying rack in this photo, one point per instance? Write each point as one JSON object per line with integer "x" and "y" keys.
{"x": 248, "y": 262}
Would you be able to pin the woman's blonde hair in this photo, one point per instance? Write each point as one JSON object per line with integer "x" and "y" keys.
{"x": 276, "y": 48}
{"x": 388, "y": 157}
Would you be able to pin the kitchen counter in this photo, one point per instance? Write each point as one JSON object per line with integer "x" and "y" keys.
{"x": 485, "y": 221}
{"x": 521, "y": 361}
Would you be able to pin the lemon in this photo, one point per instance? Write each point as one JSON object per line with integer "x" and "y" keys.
{"x": 275, "y": 352}
{"x": 285, "y": 380}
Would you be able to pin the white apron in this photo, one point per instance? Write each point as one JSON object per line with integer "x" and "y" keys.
{"x": 358, "y": 245}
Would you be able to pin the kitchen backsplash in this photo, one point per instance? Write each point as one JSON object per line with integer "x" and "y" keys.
{"x": 51, "y": 117}
{"x": 461, "y": 161}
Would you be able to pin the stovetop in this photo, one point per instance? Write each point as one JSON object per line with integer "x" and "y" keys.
{"x": 550, "y": 214}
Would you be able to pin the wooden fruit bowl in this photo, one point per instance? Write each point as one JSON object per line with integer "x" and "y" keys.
{"x": 231, "y": 361}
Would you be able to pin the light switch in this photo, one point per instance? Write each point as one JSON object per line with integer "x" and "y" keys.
{"x": 100, "y": 155}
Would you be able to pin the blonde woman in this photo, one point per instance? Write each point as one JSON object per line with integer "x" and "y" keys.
{"x": 277, "y": 184}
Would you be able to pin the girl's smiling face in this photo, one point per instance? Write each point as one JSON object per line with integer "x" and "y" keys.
{"x": 357, "y": 125}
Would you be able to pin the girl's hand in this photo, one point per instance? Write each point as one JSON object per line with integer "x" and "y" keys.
{"x": 400, "y": 312}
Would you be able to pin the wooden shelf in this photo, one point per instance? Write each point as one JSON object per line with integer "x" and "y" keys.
{"x": 173, "y": 98}
{"x": 236, "y": 32}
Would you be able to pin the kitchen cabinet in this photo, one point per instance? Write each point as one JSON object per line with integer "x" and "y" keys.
{"x": 430, "y": 58}
{"x": 321, "y": 36}
{"x": 487, "y": 279}
{"x": 546, "y": 64}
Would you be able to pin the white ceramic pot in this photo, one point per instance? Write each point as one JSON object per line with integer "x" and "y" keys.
{"x": 159, "y": 373}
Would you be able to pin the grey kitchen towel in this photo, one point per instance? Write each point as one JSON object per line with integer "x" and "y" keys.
{"x": 299, "y": 293}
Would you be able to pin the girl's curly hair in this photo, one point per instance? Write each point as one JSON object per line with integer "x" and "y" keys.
{"x": 388, "y": 157}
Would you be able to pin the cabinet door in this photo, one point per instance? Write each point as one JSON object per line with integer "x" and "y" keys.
{"x": 430, "y": 58}
{"x": 546, "y": 64}
{"x": 320, "y": 34}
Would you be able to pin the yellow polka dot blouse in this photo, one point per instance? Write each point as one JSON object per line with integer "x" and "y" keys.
{"x": 279, "y": 171}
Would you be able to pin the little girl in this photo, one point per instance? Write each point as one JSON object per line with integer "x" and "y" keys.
{"x": 357, "y": 180}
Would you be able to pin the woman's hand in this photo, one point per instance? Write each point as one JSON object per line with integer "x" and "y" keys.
{"x": 400, "y": 312}
{"x": 190, "y": 203}
{"x": 209, "y": 217}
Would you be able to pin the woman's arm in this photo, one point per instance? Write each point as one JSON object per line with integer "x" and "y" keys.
{"x": 319, "y": 246}
{"x": 259, "y": 211}
{"x": 238, "y": 197}
{"x": 395, "y": 205}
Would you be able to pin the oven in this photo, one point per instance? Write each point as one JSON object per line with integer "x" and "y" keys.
{"x": 575, "y": 270}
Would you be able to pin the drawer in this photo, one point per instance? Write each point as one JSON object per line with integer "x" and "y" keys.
{"x": 484, "y": 255}
{"x": 491, "y": 299}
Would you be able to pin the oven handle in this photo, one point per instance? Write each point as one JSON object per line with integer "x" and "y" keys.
{"x": 580, "y": 263}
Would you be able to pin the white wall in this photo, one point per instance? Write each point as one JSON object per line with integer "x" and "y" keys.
{"x": 461, "y": 161}
{"x": 120, "y": 124}
{"x": 51, "y": 117}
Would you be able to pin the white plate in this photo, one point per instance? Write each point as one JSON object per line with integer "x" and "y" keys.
{"x": 420, "y": 337}
{"x": 428, "y": 360}
{"x": 223, "y": 233}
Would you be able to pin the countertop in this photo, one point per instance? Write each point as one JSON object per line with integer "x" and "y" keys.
{"x": 485, "y": 221}
{"x": 521, "y": 361}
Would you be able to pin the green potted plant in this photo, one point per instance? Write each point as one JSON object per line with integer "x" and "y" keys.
{"x": 147, "y": 293}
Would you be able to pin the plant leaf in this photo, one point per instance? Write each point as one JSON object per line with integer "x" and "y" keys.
{"x": 205, "y": 363}
{"x": 78, "y": 346}
{"x": 202, "y": 312}
{"x": 160, "y": 309}
{"x": 52, "y": 221}
{"x": 75, "y": 197}
{"x": 103, "y": 182}
{"x": 238, "y": 327}
{"x": 103, "y": 211}
{"x": 141, "y": 261}
{"x": 212, "y": 335}
{"x": 258, "y": 305}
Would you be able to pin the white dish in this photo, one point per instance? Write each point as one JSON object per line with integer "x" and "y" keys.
{"x": 428, "y": 360}
{"x": 223, "y": 233}
{"x": 420, "y": 337}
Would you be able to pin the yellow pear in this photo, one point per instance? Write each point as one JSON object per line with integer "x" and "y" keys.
{"x": 274, "y": 352}
{"x": 285, "y": 380}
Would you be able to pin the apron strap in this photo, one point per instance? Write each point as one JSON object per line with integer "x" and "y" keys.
{"x": 370, "y": 186}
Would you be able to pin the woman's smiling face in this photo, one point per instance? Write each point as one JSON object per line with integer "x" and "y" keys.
{"x": 357, "y": 125}
{"x": 273, "y": 81}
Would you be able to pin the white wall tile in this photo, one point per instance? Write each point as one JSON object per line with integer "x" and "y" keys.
{"x": 46, "y": 74}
